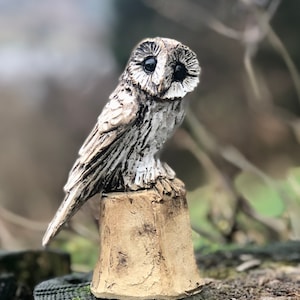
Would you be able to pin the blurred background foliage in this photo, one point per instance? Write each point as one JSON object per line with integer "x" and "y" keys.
{"x": 237, "y": 151}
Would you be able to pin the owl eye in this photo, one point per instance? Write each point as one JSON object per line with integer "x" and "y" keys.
{"x": 149, "y": 64}
{"x": 180, "y": 72}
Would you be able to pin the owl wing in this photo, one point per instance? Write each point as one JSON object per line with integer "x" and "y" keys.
{"x": 116, "y": 117}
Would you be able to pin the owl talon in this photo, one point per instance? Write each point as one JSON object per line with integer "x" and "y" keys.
{"x": 170, "y": 187}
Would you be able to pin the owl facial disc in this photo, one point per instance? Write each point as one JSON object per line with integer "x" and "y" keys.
{"x": 164, "y": 68}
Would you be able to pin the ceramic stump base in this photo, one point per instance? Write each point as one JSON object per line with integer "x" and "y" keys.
{"x": 146, "y": 249}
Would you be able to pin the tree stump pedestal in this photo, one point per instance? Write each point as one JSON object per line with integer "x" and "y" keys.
{"x": 146, "y": 249}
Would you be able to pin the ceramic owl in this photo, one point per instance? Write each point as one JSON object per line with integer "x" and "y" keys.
{"x": 121, "y": 152}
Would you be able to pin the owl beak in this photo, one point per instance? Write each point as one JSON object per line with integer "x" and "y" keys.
{"x": 165, "y": 83}
{"x": 161, "y": 87}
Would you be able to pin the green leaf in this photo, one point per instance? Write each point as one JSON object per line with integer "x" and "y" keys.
{"x": 263, "y": 197}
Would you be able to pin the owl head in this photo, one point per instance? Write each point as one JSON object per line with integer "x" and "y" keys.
{"x": 163, "y": 68}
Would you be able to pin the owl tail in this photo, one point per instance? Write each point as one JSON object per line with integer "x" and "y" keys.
{"x": 70, "y": 205}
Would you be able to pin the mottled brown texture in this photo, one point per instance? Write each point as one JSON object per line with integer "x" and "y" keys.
{"x": 146, "y": 250}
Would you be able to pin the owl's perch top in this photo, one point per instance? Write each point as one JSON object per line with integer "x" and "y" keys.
{"x": 146, "y": 251}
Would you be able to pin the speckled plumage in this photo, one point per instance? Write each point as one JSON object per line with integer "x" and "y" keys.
{"x": 142, "y": 113}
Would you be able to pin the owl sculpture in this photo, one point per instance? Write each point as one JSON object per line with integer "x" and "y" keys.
{"x": 121, "y": 152}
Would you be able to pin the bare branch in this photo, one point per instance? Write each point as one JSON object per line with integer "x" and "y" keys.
{"x": 13, "y": 218}
{"x": 191, "y": 15}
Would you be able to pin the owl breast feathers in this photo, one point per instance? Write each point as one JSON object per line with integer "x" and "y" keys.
{"x": 142, "y": 113}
